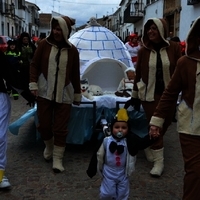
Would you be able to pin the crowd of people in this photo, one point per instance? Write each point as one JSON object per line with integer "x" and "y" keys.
{"x": 50, "y": 75}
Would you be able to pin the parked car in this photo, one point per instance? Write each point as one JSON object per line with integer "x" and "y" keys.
{"x": 3, "y": 42}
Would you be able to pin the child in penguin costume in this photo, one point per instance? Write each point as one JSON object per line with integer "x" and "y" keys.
{"x": 115, "y": 157}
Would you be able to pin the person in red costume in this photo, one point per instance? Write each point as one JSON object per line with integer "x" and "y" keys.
{"x": 133, "y": 47}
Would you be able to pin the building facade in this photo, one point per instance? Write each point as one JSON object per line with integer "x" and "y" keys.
{"x": 17, "y": 16}
{"x": 132, "y": 14}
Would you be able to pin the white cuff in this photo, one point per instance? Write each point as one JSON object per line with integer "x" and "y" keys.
{"x": 77, "y": 97}
{"x": 135, "y": 94}
{"x": 157, "y": 121}
{"x": 33, "y": 86}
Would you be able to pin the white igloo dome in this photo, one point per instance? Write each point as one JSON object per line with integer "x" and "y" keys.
{"x": 102, "y": 55}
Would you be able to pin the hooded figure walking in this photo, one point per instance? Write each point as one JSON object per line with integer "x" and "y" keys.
{"x": 55, "y": 81}
{"x": 186, "y": 79}
{"x": 155, "y": 66}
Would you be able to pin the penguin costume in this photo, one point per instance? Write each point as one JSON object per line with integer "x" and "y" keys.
{"x": 115, "y": 157}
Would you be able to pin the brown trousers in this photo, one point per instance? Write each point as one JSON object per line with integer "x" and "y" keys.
{"x": 53, "y": 119}
{"x": 149, "y": 108}
{"x": 190, "y": 145}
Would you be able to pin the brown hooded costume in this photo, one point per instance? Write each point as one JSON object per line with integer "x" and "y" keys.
{"x": 55, "y": 74}
{"x": 186, "y": 79}
{"x": 155, "y": 66}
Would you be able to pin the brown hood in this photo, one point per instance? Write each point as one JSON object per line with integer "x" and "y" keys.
{"x": 162, "y": 28}
{"x": 65, "y": 24}
{"x": 192, "y": 45}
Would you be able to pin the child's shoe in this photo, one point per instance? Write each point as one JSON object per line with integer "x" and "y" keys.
{"x": 4, "y": 183}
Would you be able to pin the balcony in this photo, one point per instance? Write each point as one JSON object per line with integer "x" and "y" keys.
{"x": 8, "y": 10}
{"x": 192, "y": 2}
{"x": 134, "y": 12}
{"x": 115, "y": 27}
{"x": 21, "y": 13}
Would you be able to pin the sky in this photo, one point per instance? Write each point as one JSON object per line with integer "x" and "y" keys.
{"x": 81, "y": 10}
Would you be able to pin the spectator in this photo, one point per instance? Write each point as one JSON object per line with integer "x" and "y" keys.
{"x": 175, "y": 39}
{"x": 27, "y": 49}
{"x": 133, "y": 47}
{"x": 42, "y": 36}
{"x": 13, "y": 56}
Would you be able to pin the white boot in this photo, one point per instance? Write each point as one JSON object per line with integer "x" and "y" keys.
{"x": 148, "y": 154}
{"x": 158, "y": 166}
{"x": 48, "y": 151}
{"x": 4, "y": 183}
{"x": 58, "y": 153}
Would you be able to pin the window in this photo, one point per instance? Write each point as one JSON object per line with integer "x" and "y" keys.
{"x": 21, "y": 4}
{"x": 150, "y": 1}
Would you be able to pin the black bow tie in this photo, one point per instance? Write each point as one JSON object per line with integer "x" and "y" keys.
{"x": 114, "y": 147}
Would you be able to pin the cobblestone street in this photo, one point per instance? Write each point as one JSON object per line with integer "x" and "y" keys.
{"x": 33, "y": 179}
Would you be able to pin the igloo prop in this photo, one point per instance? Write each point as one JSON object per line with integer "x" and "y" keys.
{"x": 103, "y": 56}
{"x": 103, "y": 60}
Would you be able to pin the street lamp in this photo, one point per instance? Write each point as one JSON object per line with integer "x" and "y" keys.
{"x": 136, "y": 5}
{"x": 139, "y": 8}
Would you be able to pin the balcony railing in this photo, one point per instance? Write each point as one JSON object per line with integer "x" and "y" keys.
{"x": 192, "y": 2}
{"x": 8, "y": 9}
{"x": 132, "y": 15}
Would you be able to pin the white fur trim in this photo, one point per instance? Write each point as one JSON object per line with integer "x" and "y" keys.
{"x": 33, "y": 86}
{"x": 135, "y": 94}
{"x": 160, "y": 26}
{"x": 157, "y": 121}
{"x": 188, "y": 118}
{"x": 196, "y": 105}
{"x": 141, "y": 90}
{"x": 64, "y": 27}
{"x": 152, "y": 76}
{"x": 152, "y": 72}
{"x": 61, "y": 75}
{"x": 77, "y": 97}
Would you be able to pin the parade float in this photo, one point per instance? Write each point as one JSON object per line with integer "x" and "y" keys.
{"x": 103, "y": 60}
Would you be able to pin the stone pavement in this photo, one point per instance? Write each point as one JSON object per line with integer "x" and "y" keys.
{"x": 32, "y": 178}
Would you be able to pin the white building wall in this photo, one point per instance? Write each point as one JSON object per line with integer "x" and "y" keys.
{"x": 126, "y": 28}
{"x": 27, "y": 20}
{"x": 154, "y": 10}
{"x": 188, "y": 14}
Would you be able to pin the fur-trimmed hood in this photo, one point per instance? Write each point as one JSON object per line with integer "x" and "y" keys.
{"x": 192, "y": 45}
{"x": 65, "y": 24}
{"x": 162, "y": 28}
{"x": 129, "y": 69}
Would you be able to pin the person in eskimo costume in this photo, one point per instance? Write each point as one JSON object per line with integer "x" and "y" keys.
{"x": 155, "y": 66}
{"x": 55, "y": 81}
{"x": 186, "y": 79}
